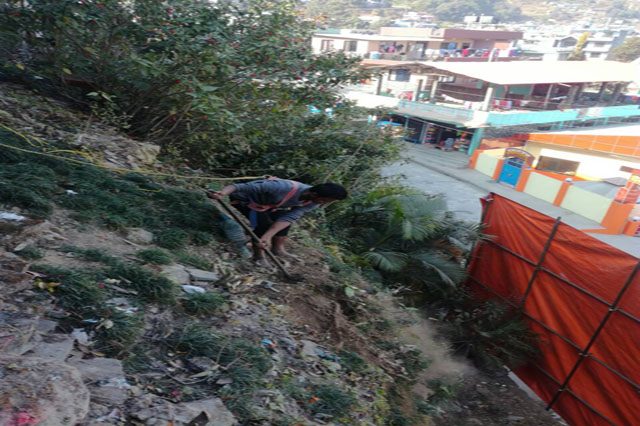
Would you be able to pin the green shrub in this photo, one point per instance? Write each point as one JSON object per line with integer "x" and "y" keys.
{"x": 193, "y": 260}
{"x": 248, "y": 359}
{"x": 155, "y": 256}
{"x": 91, "y": 254}
{"x": 171, "y": 238}
{"x": 203, "y": 303}
{"x": 331, "y": 399}
{"x": 117, "y": 332}
{"x": 31, "y": 253}
{"x": 78, "y": 292}
{"x": 352, "y": 362}
{"x": 150, "y": 286}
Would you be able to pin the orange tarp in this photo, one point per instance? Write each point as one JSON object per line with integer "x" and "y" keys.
{"x": 567, "y": 304}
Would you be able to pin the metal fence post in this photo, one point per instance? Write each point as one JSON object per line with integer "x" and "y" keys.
{"x": 482, "y": 219}
{"x": 538, "y": 266}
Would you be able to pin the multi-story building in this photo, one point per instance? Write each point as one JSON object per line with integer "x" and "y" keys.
{"x": 468, "y": 102}
{"x": 401, "y": 43}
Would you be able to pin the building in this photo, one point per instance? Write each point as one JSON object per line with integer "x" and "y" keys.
{"x": 469, "y": 102}
{"x": 593, "y": 172}
{"x": 597, "y": 47}
{"x": 401, "y": 43}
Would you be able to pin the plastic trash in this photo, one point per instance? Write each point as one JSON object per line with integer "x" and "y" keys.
{"x": 11, "y": 216}
{"x": 193, "y": 289}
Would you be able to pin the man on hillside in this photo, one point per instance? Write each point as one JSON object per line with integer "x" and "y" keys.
{"x": 272, "y": 205}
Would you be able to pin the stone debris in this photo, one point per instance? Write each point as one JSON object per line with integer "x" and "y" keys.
{"x": 43, "y": 392}
{"x": 210, "y": 412}
{"x": 105, "y": 379}
{"x": 176, "y": 273}
{"x": 54, "y": 346}
{"x": 94, "y": 370}
{"x": 139, "y": 236}
{"x": 203, "y": 276}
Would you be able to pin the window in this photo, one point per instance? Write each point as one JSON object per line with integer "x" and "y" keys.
{"x": 351, "y": 45}
{"x": 326, "y": 45}
{"x": 557, "y": 165}
{"x": 594, "y": 55}
{"x": 449, "y": 45}
{"x": 399, "y": 74}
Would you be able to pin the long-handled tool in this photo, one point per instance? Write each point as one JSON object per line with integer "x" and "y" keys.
{"x": 256, "y": 240}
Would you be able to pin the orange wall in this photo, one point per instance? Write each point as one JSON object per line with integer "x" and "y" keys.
{"x": 623, "y": 145}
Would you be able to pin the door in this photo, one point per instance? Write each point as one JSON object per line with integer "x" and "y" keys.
{"x": 511, "y": 170}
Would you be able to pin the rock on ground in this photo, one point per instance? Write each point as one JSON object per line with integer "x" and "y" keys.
{"x": 139, "y": 236}
{"x": 176, "y": 273}
{"x": 210, "y": 412}
{"x": 41, "y": 391}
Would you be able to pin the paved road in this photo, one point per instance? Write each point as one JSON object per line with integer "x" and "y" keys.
{"x": 462, "y": 198}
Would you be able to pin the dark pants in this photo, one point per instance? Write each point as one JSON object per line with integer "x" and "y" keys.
{"x": 262, "y": 221}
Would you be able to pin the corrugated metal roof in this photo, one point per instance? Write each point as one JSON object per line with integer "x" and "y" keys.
{"x": 543, "y": 72}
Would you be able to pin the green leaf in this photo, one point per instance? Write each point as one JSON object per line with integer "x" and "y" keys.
{"x": 348, "y": 290}
{"x": 66, "y": 71}
{"x": 386, "y": 260}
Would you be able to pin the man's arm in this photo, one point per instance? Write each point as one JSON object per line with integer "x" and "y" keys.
{"x": 219, "y": 195}
{"x": 278, "y": 226}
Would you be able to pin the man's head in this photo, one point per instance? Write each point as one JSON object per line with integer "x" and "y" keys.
{"x": 325, "y": 193}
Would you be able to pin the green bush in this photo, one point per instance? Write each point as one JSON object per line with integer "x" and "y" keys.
{"x": 203, "y": 303}
{"x": 192, "y": 260}
{"x": 171, "y": 238}
{"x": 78, "y": 291}
{"x": 117, "y": 332}
{"x": 247, "y": 362}
{"x": 331, "y": 399}
{"x": 155, "y": 256}
{"x": 232, "y": 98}
{"x": 150, "y": 286}
{"x": 31, "y": 253}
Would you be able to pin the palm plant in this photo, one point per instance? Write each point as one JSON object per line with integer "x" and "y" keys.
{"x": 411, "y": 239}
{"x": 409, "y": 232}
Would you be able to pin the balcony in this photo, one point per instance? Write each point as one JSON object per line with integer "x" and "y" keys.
{"x": 460, "y": 116}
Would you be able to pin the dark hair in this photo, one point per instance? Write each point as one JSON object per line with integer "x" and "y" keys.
{"x": 329, "y": 190}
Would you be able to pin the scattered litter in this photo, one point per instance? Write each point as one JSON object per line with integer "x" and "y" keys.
{"x": 122, "y": 304}
{"x": 115, "y": 382}
{"x": 193, "y": 289}
{"x": 111, "y": 283}
{"x": 11, "y": 216}
{"x": 204, "y": 276}
{"x": 80, "y": 336}
{"x": 269, "y": 345}
{"x": 224, "y": 381}
{"x": 113, "y": 415}
{"x": 49, "y": 286}
{"x": 106, "y": 324}
{"x": 71, "y": 192}
{"x": 269, "y": 286}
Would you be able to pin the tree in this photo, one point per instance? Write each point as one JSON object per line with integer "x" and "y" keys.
{"x": 628, "y": 51}
{"x": 225, "y": 86}
{"x": 456, "y": 10}
{"x": 578, "y": 51}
